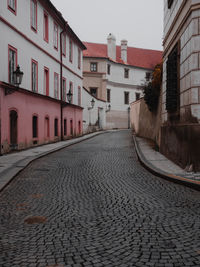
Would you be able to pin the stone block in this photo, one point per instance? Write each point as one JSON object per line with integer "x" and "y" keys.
{"x": 182, "y": 84}
{"x": 195, "y": 110}
{"x": 186, "y": 98}
{"x": 193, "y": 61}
{"x": 194, "y": 95}
{"x": 195, "y": 78}
{"x": 181, "y": 100}
{"x": 188, "y": 81}
{"x": 195, "y": 44}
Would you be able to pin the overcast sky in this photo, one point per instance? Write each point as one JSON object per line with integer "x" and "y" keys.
{"x": 138, "y": 21}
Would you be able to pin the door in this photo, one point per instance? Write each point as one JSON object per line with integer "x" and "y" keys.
{"x": 13, "y": 129}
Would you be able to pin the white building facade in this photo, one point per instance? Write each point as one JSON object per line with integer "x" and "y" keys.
{"x": 38, "y": 39}
{"x": 116, "y": 74}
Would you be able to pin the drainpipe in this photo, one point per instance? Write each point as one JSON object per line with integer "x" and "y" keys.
{"x": 61, "y": 84}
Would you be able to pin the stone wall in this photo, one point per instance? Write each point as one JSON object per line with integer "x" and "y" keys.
{"x": 145, "y": 123}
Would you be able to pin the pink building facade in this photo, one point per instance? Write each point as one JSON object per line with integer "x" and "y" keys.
{"x": 39, "y": 40}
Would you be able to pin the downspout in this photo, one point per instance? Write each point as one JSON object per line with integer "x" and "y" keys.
{"x": 61, "y": 84}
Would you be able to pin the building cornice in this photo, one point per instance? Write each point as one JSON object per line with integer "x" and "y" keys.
{"x": 131, "y": 86}
{"x": 35, "y": 94}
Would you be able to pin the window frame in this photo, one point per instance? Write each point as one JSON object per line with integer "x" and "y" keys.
{"x": 35, "y": 130}
{"x": 108, "y": 95}
{"x": 92, "y": 88}
{"x": 79, "y": 58}
{"x": 108, "y": 69}
{"x": 15, "y": 50}
{"x": 70, "y": 50}
{"x": 56, "y": 127}
{"x": 56, "y": 92}
{"x": 46, "y": 26}
{"x": 55, "y": 35}
{"x": 92, "y": 64}
{"x": 13, "y": 10}
{"x": 126, "y": 73}
{"x": 65, "y": 127}
{"x": 46, "y": 70}
{"x": 64, "y": 90}
{"x": 79, "y": 96}
{"x": 31, "y": 7}
{"x": 36, "y": 63}
{"x": 126, "y": 94}
{"x": 64, "y": 50}
{"x": 72, "y": 91}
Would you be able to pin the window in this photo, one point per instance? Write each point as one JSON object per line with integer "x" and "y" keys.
{"x": 79, "y": 58}
{"x": 137, "y": 96}
{"x": 65, "y": 127}
{"x": 47, "y": 127}
{"x": 55, "y": 36}
{"x": 108, "y": 95}
{"x": 71, "y": 89}
{"x": 35, "y": 126}
{"x": 126, "y": 98}
{"x": 12, "y": 6}
{"x": 64, "y": 94}
{"x": 79, "y": 127}
{"x": 148, "y": 75}
{"x": 56, "y": 127}
{"x": 46, "y": 27}
{"x": 46, "y": 81}
{"x": 126, "y": 73}
{"x": 71, "y": 127}
{"x": 34, "y": 15}
{"x": 79, "y": 96}
{"x": 170, "y": 2}
{"x": 34, "y": 78}
{"x": 64, "y": 45}
{"x": 108, "y": 69}
{"x": 70, "y": 50}
{"x": 93, "y": 66}
{"x": 56, "y": 94}
{"x": 93, "y": 91}
{"x": 12, "y": 63}
{"x": 172, "y": 90}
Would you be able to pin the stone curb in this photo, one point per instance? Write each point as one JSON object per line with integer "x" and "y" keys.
{"x": 15, "y": 170}
{"x": 160, "y": 173}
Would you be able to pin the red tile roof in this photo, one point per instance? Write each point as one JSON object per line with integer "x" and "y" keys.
{"x": 138, "y": 57}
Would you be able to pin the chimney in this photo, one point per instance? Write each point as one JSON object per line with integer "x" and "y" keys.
{"x": 124, "y": 50}
{"x": 111, "y": 46}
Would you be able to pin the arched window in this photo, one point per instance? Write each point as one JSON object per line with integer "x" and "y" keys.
{"x": 35, "y": 126}
{"x": 56, "y": 127}
{"x": 71, "y": 127}
{"x": 65, "y": 127}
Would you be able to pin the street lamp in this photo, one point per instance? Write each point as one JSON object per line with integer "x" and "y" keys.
{"x": 109, "y": 108}
{"x": 69, "y": 96}
{"x": 92, "y": 104}
{"x": 18, "y": 75}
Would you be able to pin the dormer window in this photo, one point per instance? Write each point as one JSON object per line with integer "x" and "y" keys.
{"x": 93, "y": 66}
{"x": 170, "y": 2}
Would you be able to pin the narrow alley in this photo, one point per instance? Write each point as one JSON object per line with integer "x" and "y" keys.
{"x": 93, "y": 205}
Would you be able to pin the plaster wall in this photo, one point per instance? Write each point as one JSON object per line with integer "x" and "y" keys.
{"x": 28, "y": 105}
{"x": 93, "y": 118}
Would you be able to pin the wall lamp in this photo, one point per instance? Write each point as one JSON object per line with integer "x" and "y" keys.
{"x": 18, "y": 75}
{"x": 109, "y": 108}
{"x": 92, "y": 104}
{"x": 69, "y": 96}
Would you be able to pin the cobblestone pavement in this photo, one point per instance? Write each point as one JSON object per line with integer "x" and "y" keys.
{"x": 96, "y": 206}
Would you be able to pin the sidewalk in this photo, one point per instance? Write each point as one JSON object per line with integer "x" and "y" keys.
{"x": 12, "y": 164}
{"x": 163, "y": 167}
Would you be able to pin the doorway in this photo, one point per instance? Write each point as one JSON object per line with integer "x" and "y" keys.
{"x": 13, "y": 129}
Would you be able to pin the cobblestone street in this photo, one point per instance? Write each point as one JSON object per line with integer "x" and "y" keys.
{"x": 92, "y": 205}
